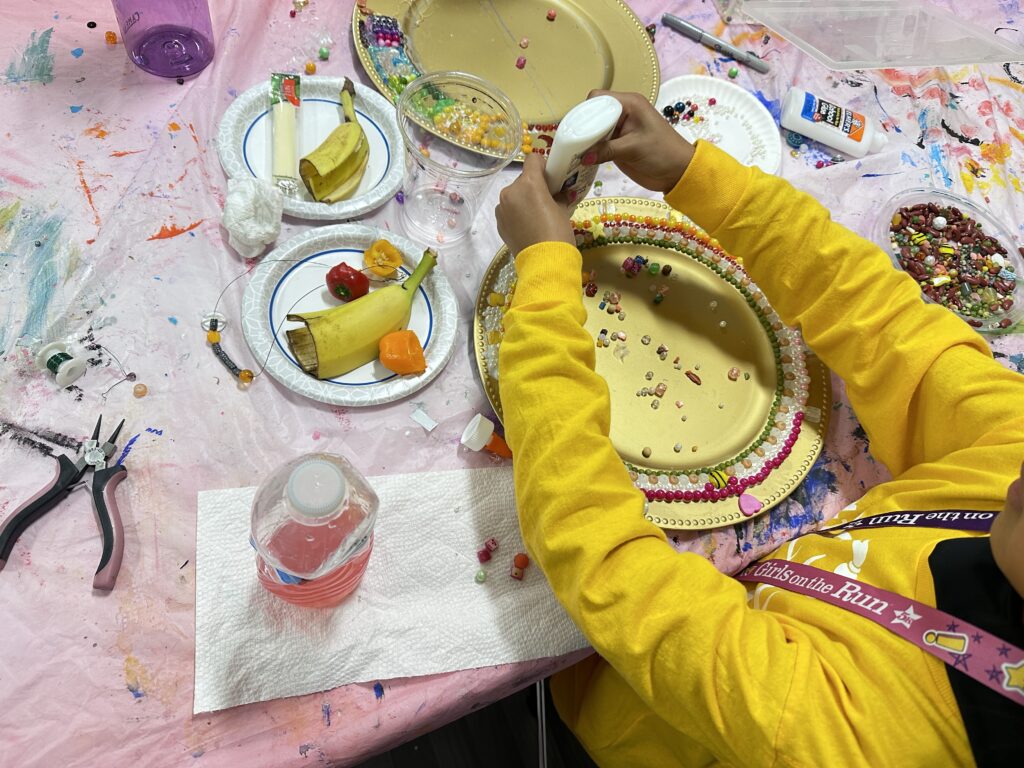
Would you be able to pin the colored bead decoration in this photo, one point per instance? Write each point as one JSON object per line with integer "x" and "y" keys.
{"x": 246, "y": 376}
{"x": 481, "y": 576}
{"x": 310, "y": 67}
{"x": 955, "y": 263}
{"x": 752, "y": 466}
{"x": 733, "y": 73}
{"x": 521, "y": 560}
{"x": 483, "y": 555}
{"x": 552, "y": 14}
{"x": 521, "y": 62}
{"x": 213, "y": 337}
{"x": 140, "y": 390}
{"x": 324, "y": 53}
{"x": 491, "y": 545}
{"x": 516, "y": 573}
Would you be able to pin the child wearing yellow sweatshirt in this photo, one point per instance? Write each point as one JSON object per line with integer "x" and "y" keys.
{"x": 694, "y": 667}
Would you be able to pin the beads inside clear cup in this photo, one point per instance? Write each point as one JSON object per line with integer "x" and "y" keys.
{"x": 312, "y": 528}
{"x": 458, "y": 132}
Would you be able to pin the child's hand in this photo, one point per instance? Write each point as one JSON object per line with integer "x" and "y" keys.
{"x": 527, "y": 213}
{"x": 644, "y": 146}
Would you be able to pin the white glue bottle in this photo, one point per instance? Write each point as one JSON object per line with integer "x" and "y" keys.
{"x": 836, "y": 126}
{"x": 586, "y": 124}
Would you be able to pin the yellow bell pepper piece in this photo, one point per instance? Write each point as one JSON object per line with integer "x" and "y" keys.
{"x": 382, "y": 258}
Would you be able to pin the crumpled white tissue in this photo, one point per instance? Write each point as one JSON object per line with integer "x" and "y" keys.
{"x": 252, "y": 215}
{"x": 417, "y": 611}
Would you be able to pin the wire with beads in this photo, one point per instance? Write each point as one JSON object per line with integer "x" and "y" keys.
{"x": 214, "y": 322}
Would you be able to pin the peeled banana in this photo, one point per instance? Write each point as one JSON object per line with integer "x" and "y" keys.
{"x": 334, "y": 341}
{"x": 332, "y": 171}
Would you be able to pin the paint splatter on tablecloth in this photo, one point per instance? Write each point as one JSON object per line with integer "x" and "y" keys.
{"x": 110, "y": 197}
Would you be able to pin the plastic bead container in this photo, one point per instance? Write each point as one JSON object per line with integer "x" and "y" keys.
{"x": 990, "y": 226}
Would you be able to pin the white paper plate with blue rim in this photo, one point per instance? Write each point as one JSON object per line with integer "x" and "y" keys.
{"x": 292, "y": 278}
{"x": 738, "y": 123}
{"x": 244, "y": 144}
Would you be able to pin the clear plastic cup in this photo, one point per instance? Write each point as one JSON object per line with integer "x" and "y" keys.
{"x": 459, "y": 131}
{"x": 169, "y": 38}
{"x": 312, "y": 528}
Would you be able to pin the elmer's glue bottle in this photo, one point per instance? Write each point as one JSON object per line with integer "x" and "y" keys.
{"x": 831, "y": 124}
{"x": 586, "y": 124}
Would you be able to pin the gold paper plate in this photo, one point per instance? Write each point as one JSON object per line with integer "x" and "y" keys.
{"x": 711, "y": 326}
{"x": 597, "y": 44}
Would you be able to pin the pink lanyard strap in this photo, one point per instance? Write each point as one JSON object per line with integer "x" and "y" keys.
{"x": 979, "y": 654}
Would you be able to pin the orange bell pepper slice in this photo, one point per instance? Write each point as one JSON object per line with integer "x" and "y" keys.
{"x": 382, "y": 258}
{"x": 401, "y": 352}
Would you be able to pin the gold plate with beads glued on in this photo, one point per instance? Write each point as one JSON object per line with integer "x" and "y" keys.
{"x": 596, "y": 44}
{"x": 300, "y": 341}
{"x": 605, "y": 260}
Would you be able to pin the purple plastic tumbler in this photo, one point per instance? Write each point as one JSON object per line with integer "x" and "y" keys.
{"x": 170, "y": 38}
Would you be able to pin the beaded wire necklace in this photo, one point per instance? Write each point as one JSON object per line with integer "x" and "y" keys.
{"x": 213, "y": 322}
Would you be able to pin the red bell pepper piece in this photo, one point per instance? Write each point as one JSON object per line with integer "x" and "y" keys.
{"x": 347, "y": 283}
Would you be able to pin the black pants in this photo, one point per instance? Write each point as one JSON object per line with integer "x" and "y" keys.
{"x": 561, "y": 741}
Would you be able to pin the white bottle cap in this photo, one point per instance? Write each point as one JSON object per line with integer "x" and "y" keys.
{"x": 589, "y": 120}
{"x": 478, "y": 432}
{"x": 878, "y": 142}
{"x": 316, "y": 488}
{"x": 70, "y": 371}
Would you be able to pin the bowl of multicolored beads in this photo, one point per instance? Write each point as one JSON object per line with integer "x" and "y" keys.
{"x": 961, "y": 256}
{"x": 717, "y": 410}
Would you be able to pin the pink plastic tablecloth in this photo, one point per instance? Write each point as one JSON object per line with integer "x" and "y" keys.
{"x": 110, "y": 195}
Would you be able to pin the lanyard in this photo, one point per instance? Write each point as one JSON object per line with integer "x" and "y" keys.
{"x": 959, "y": 519}
{"x": 977, "y": 653}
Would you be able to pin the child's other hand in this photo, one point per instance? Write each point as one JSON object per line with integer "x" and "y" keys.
{"x": 644, "y": 146}
{"x": 527, "y": 213}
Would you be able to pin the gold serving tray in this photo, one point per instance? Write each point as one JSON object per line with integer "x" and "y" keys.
{"x": 592, "y": 44}
{"x": 722, "y": 417}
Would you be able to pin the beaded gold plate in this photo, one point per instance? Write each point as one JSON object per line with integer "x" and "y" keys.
{"x": 718, "y": 411}
{"x": 597, "y": 44}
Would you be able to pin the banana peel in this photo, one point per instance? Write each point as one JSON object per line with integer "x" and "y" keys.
{"x": 332, "y": 342}
{"x": 351, "y": 184}
{"x": 333, "y": 170}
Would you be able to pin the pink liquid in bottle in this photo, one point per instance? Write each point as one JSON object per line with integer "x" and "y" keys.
{"x": 312, "y": 526}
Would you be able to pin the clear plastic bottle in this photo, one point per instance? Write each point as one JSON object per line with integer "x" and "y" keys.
{"x": 312, "y": 527}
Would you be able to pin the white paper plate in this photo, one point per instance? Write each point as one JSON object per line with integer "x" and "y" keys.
{"x": 291, "y": 279}
{"x": 243, "y": 143}
{"x": 738, "y": 123}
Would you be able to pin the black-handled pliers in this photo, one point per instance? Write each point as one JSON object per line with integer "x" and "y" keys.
{"x": 68, "y": 474}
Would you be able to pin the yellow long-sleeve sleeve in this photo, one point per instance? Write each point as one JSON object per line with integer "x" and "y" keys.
{"x": 690, "y": 670}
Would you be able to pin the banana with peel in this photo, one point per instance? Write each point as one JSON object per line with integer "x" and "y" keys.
{"x": 332, "y": 171}
{"x": 334, "y": 341}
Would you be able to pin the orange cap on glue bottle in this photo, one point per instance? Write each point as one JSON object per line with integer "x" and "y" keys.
{"x": 480, "y": 435}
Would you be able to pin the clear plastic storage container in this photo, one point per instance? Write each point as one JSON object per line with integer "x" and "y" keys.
{"x": 874, "y": 34}
{"x": 998, "y": 321}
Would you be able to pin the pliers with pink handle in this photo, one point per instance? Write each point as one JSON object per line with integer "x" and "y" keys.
{"x": 66, "y": 477}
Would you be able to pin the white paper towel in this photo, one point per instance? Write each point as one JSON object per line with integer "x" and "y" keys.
{"x": 418, "y": 610}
